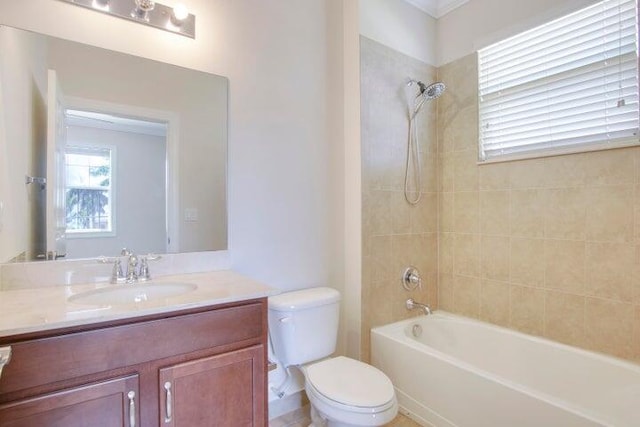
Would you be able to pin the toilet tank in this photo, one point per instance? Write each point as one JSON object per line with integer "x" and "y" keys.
{"x": 303, "y": 325}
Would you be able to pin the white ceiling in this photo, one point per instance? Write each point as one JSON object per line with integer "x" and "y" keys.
{"x": 437, "y": 8}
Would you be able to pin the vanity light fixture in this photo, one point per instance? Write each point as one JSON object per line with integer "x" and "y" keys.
{"x": 175, "y": 19}
{"x": 102, "y": 5}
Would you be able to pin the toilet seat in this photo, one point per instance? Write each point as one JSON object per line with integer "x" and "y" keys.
{"x": 350, "y": 384}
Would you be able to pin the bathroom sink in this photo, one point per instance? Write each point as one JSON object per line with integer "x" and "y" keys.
{"x": 127, "y": 294}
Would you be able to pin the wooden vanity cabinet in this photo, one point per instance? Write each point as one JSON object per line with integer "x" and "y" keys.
{"x": 107, "y": 403}
{"x": 203, "y": 367}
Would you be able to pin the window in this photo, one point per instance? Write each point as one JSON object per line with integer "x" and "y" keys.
{"x": 89, "y": 191}
{"x": 567, "y": 86}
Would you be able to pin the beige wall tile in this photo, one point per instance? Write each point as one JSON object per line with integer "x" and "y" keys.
{"x": 429, "y": 172}
{"x": 610, "y": 213}
{"x": 527, "y": 213}
{"x": 525, "y": 174}
{"x": 467, "y": 136}
{"x": 403, "y": 255}
{"x": 564, "y": 318}
{"x": 466, "y": 296}
{"x": 636, "y": 154}
{"x": 494, "y": 302}
{"x": 527, "y": 262}
{"x": 636, "y": 335}
{"x": 445, "y": 252}
{"x": 367, "y": 271}
{"x": 466, "y": 255}
{"x": 394, "y": 174}
{"x": 571, "y": 226}
{"x": 527, "y": 309}
{"x": 565, "y": 265}
{"x": 455, "y": 135}
{"x": 609, "y": 326}
{"x": 636, "y": 276}
{"x": 466, "y": 171}
{"x": 446, "y": 212}
{"x": 466, "y": 212}
{"x": 460, "y": 88}
{"x": 381, "y": 264}
{"x": 494, "y": 258}
{"x": 447, "y": 172}
{"x": 379, "y": 212}
{"x": 424, "y": 215}
{"x": 378, "y": 310}
{"x": 636, "y": 213}
{"x": 400, "y": 213}
{"x": 610, "y": 167}
{"x": 565, "y": 171}
{"x": 610, "y": 270}
{"x": 445, "y": 292}
{"x": 494, "y": 212}
{"x": 565, "y": 213}
{"x": 425, "y": 247}
{"x": 494, "y": 176}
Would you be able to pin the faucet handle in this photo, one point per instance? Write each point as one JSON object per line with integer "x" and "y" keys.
{"x": 126, "y": 252}
{"x": 117, "y": 276}
{"x": 143, "y": 274}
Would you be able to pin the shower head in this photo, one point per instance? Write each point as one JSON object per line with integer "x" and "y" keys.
{"x": 433, "y": 91}
{"x": 425, "y": 93}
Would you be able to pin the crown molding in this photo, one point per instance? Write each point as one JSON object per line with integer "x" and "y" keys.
{"x": 437, "y": 8}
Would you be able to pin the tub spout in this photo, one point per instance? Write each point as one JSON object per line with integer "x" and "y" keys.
{"x": 412, "y": 305}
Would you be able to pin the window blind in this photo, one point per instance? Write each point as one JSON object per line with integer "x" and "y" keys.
{"x": 570, "y": 83}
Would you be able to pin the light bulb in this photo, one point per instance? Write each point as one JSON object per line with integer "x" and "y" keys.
{"x": 101, "y": 5}
{"x": 180, "y": 12}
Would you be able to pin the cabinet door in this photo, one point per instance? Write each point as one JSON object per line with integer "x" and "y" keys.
{"x": 224, "y": 390}
{"x": 108, "y": 403}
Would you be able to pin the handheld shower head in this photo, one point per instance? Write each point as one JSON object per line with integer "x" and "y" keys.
{"x": 425, "y": 93}
{"x": 433, "y": 91}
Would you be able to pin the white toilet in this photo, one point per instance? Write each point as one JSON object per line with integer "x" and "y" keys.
{"x": 303, "y": 327}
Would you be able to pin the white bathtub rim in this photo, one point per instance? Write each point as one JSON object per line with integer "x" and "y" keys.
{"x": 591, "y": 415}
{"x": 445, "y": 314}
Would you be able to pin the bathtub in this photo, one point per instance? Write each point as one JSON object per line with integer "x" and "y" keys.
{"x": 454, "y": 371}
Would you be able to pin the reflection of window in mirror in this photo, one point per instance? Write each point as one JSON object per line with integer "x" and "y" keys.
{"x": 89, "y": 191}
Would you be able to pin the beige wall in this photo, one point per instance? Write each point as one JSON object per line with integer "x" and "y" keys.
{"x": 548, "y": 246}
{"x": 395, "y": 234}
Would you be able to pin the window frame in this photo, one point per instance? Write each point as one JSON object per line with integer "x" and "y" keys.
{"x": 574, "y": 148}
{"x": 92, "y": 234}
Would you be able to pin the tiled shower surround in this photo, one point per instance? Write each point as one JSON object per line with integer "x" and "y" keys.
{"x": 547, "y": 246}
{"x": 394, "y": 233}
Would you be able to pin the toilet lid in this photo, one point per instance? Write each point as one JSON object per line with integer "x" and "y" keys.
{"x": 350, "y": 382}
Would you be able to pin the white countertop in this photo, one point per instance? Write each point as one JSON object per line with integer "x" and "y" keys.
{"x": 40, "y": 309}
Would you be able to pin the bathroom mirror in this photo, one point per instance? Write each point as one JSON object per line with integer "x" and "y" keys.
{"x": 101, "y": 150}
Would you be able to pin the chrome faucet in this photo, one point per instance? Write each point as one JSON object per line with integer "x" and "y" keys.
{"x": 412, "y": 305}
{"x": 134, "y": 273}
{"x": 132, "y": 264}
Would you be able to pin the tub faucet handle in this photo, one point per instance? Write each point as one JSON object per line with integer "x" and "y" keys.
{"x": 411, "y": 279}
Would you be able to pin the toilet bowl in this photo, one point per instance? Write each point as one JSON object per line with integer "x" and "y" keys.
{"x": 343, "y": 392}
